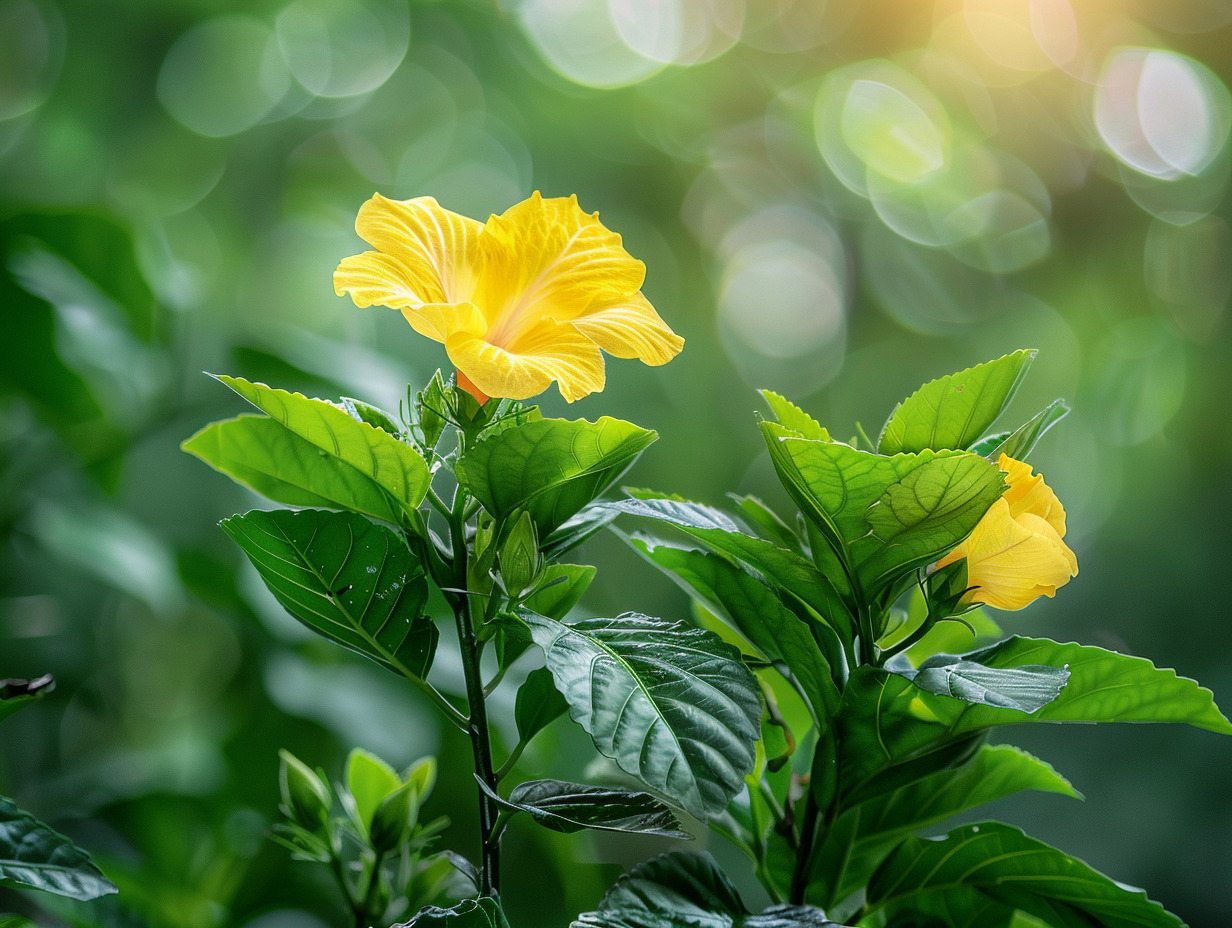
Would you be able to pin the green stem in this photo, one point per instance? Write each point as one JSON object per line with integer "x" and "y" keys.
{"x": 481, "y": 744}
{"x": 365, "y": 915}
{"x": 804, "y": 854}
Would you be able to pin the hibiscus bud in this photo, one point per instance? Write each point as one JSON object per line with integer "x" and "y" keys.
{"x": 305, "y": 797}
{"x": 395, "y": 818}
{"x": 519, "y": 558}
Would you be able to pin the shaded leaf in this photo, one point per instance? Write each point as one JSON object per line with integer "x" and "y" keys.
{"x": 265, "y": 456}
{"x": 955, "y": 410}
{"x": 35, "y": 855}
{"x": 672, "y": 705}
{"x": 572, "y": 807}
{"x": 392, "y": 465}
{"x": 993, "y": 860}
{"x": 14, "y": 694}
{"x": 752, "y": 608}
{"x": 559, "y": 588}
{"x": 347, "y": 579}
{"x": 575, "y": 530}
{"x": 1019, "y": 443}
{"x": 549, "y": 467}
{"x": 538, "y": 704}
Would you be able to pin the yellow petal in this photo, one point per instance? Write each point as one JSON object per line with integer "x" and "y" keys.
{"x": 425, "y": 254}
{"x": 1013, "y": 561}
{"x": 1027, "y": 493}
{"x": 440, "y": 320}
{"x": 549, "y": 352}
{"x": 631, "y": 329}
{"x": 548, "y": 259}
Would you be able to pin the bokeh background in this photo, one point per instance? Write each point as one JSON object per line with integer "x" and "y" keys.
{"x": 837, "y": 199}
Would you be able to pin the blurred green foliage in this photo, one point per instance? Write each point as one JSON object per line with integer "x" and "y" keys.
{"x": 834, "y": 200}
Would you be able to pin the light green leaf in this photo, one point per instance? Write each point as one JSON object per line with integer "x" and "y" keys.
{"x": 484, "y": 912}
{"x": 373, "y": 415}
{"x": 347, "y": 579}
{"x": 573, "y": 807}
{"x": 550, "y": 467}
{"x": 678, "y": 889}
{"x": 955, "y": 410}
{"x": 265, "y": 456}
{"x": 754, "y": 610}
{"x": 767, "y": 522}
{"x": 33, "y": 854}
{"x": 992, "y": 860}
{"x": 1019, "y": 443}
{"x": 792, "y": 417}
{"x": 929, "y": 511}
{"x": 672, "y": 705}
{"x": 369, "y": 780}
{"x": 559, "y": 589}
{"x": 537, "y": 704}
{"x": 14, "y": 694}
{"x": 392, "y": 465}
{"x": 886, "y": 720}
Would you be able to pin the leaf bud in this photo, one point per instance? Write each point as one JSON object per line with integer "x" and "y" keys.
{"x": 395, "y": 818}
{"x": 305, "y": 796}
{"x": 519, "y": 558}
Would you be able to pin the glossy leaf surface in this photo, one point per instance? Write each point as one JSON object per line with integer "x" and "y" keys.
{"x": 572, "y": 807}
{"x": 672, "y": 705}
{"x": 35, "y": 855}
{"x": 347, "y": 579}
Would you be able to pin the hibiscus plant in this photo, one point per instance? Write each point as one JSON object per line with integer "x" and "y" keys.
{"x": 813, "y": 710}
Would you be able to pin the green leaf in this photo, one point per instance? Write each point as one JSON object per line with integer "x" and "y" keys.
{"x": 792, "y": 417}
{"x": 806, "y": 591}
{"x": 677, "y": 889}
{"x": 265, "y": 456}
{"x": 572, "y": 807}
{"x": 390, "y": 464}
{"x": 347, "y": 579}
{"x": 369, "y": 780}
{"x": 559, "y": 589}
{"x": 995, "y": 861}
{"x": 549, "y": 467}
{"x": 886, "y": 720}
{"x": 15, "y": 694}
{"x": 1027, "y": 687}
{"x": 1019, "y": 443}
{"x": 754, "y": 610}
{"x": 672, "y": 705}
{"x": 767, "y": 522}
{"x": 575, "y": 530}
{"x": 33, "y": 854}
{"x": 484, "y": 912}
{"x": 538, "y": 704}
{"x": 955, "y": 410}
{"x": 373, "y": 415}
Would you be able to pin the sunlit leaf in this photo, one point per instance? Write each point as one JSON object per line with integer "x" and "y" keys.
{"x": 550, "y": 467}
{"x": 269, "y": 458}
{"x": 672, "y": 705}
{"x": 347, "y": 579}
{"x": 392, "y": 465}
{"x": 572, "y": 807}
{"x": 34, "y": 855}
{"x": 955, "y": 410}
{"x": 997, "y": 861}
{"x": 792, "y": 417}
{"x": 1023, "y": 439}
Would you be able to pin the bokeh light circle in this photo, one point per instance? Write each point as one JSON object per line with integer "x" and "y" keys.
{"x": 678, "y": 31}
{"x": 223, "y": 76}
{"x": 30, "y": 55}
{"x": 578, "y": 39}
{"x": 341, "y": 48}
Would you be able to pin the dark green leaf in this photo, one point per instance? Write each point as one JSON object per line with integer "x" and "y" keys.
{"x": 538, "y": 704}
{"x": 265, "y": 456}
{"x": 14, "y": 694}
{"x": 672, "y": 705}
{"x": 1027, "y": 687}
{"x": 572, "y": 807}
{"x": 575, "y": 530}
{"x": 32, "y": 854}
{"x": 792, "y": 417}
{"x": 955, "y": 410}
{"x": 767, "y": 522}
{"x": 549, "y": 467}
{"x": 1019, "y": 444}
{"x": 347, "y": 579}
{"x": 677, "y": 889}
{"x": 484, "y": 912}
{"x": 754, "y": 610}
{"x": 392, "y": 465}
{"x": 995, "y": 861}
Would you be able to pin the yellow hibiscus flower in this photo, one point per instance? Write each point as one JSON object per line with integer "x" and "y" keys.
{"x": 529, "y": 297}
{"x": 1016, "y": 554}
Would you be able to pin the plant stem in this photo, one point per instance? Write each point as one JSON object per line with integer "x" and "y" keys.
{"x": 364, "y": 914}
{"x": 804, "y": 854}
{"x": 481, "y": 745}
